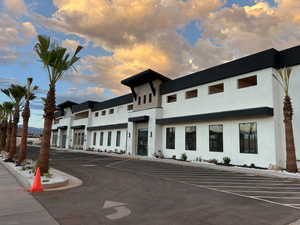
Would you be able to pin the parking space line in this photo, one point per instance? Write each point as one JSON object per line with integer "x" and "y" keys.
{"x": 257, "y": 187}
{"x": 276, "y": 197}
{"x": 253, "y": 184}
{"x": 250, "y": 181}
{"x": 273, "y": 192}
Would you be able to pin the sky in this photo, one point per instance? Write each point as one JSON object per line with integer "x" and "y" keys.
{"x": 124, "y": 37}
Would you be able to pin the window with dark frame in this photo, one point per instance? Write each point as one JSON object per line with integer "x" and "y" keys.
{"x": 145, "y": 99}
{"x": 101, "y": 138}
{"x": 103, "y": 113}
{"x": 247, "y": 82}
{"x": 172, "y": 98}
{"x": 248, "y": 138}
{"x": 111, "y": 111}
{"x": 190, "y": 138}
{"x": 118, "y": 139}
{"x": 216, "y": 138}
{"x": 96, "y": 114}
{"x": 130, "y": 107}
{"x": 150, "y": 98}
{"x": 191, "y": 94}
{"x": 139, "y": 100}
{"x": 109, "y": 138}
{"x": 170, "y": 138}
{"x": 94, "y": 139}
{"x": 214, "y": 89}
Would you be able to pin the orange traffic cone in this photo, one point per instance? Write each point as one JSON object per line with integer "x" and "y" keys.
{"x": 37, "y": 185}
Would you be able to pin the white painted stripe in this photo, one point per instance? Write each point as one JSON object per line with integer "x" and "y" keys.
{"x": 260, "y": 187}
{"x": 273, "y": 192}
{"x": 250, "y": 181}
{"x": 293, "y": 198}
{"x": 252, "y": 184}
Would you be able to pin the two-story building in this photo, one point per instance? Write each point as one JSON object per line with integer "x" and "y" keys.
{"x": 233, "y": 110}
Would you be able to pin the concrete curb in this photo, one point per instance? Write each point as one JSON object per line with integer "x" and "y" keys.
{"x": 70, "y": 182}
{"x": 257, "y": 172}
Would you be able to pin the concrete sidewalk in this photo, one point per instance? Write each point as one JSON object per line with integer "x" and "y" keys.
{"x": 17, "y": 206}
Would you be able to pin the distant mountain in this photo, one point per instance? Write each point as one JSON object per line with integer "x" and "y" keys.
{"x": 31, "y": 130}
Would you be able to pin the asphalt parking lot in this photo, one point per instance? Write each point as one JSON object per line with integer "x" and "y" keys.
{"x": 136, "y": 192}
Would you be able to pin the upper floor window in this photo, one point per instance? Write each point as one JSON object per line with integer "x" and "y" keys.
{"x": 218, "y": 88}
{"x": 145, "y": 99}
{"x": 56, "y": 121}
{"x": 82, "y": 115}
{"x": 247, "y": 82}
{"x": 150, "y": 98}
{"x": 130, "y": 107}
{"x": 103, "y": 113}
{"x": 172, "y": 98}
{"x": 191, "y": 94}
{"x": 96, "y": 114}
{"x": 139, "y": 100}
{"x": 248, "y": 138}
{"x": 111, "y": 111}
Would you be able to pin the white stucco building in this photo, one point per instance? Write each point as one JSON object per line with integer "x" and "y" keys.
{"x": 233, "y": 110}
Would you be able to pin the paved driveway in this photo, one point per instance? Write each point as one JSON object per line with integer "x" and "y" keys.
{"x": 117, "y": 191}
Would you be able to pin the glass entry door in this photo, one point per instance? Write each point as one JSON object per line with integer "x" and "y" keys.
{"x": 142, "y": 145}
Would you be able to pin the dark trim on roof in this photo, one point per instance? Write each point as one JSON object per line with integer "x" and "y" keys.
{"x": 78, "y": 127}
{"x": 121, "y": 100}
{"x": 290, "y": 57}
{"x": 111, "y": 126}
{"x": 144, "y": 77}
{"x": 258, "y": 61}
{"x": 63, "y": 127}
{"x": 83, "y": 106}
{"x": 59, "y": 113}
{"x": 234, "y": 114}
{"x": 139, "y": 119}
{"x": 54, "y": 129}
{"x": 66, "y": 104}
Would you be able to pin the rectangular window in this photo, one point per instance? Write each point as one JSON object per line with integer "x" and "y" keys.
{"x": 214, "y": 89}
{"x": 94, "y": 139}
{"x": 109, "y": 138}
{"x": 170, "y": 138}
{"x": 216, "y": 138}
{"x": 118, "y": 139}
{"x": 150, "y": 98}
{"x": 248, "y": 138}
{"x": 171, "y": 98}
{"x": 190, "y": 138}
{"x": 111, "y": 111}
{"x": 129, "y": 107}
{"x": 96, "y": 114}
{"x": 101, "y": 138}
{"x": 247, "y": 82}
{"x": 145, "y": 99}
{"x": 103, "y": 113}
{"x": 191, "y": 94}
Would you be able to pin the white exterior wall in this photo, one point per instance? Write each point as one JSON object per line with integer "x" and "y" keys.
{"x": 231, "y": 146}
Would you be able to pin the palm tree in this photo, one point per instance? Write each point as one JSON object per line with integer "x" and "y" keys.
{"x": 29, "y": 96}
{"x": 6, "y": 112}
{"x": 291, "y": 163}
{"x": 56, "y": 60}
{"x": 16, "y": 93}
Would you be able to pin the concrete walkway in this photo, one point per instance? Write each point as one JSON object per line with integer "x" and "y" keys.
{"x": 17, "y": 206}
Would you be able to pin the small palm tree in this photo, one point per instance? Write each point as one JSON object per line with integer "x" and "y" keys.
{"x": 29, "y": 96}
{"x": 6, "y": 115}
{"x": 16, "y": 93}
{"x": 56, "y": 60}
{"x": 291, "y": 163}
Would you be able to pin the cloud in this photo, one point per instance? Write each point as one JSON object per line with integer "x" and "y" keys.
{"x": 70, "y": 44}
{"x": 15, "y": 7}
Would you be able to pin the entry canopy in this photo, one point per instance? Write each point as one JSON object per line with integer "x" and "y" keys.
{"x": 144, "y": 77}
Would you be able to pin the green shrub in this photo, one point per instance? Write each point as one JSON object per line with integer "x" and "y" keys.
{"x": 252, "y": 165}
{"x": 183, "y": 157}
{"x": 226, "y": 161}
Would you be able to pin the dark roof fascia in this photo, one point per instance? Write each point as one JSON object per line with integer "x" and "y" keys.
{"x": 83, "y": 106}
{"x": 121, "y": 100}
{"x": 59, "y": 113}
{"x": 78, "y": 127}
{"x": 234, "y": 114}
{"x": 144, "y": 77}
{"x": 111, "y": 126}
{"x": 262, "y": 60}
{"x": 138, "y": 119}
{"x": 66, "y": 104}
{"x": 290, "y": 57}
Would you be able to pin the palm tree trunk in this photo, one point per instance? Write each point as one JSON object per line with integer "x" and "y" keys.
{"x": 23, "y": 146}
{"x": 14, "y": 130}
{"x": 291, "y": 163}
{"x": 8, "y": 135}
{"x": 43, "y": 161}
{"x": 3, "y": 134}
